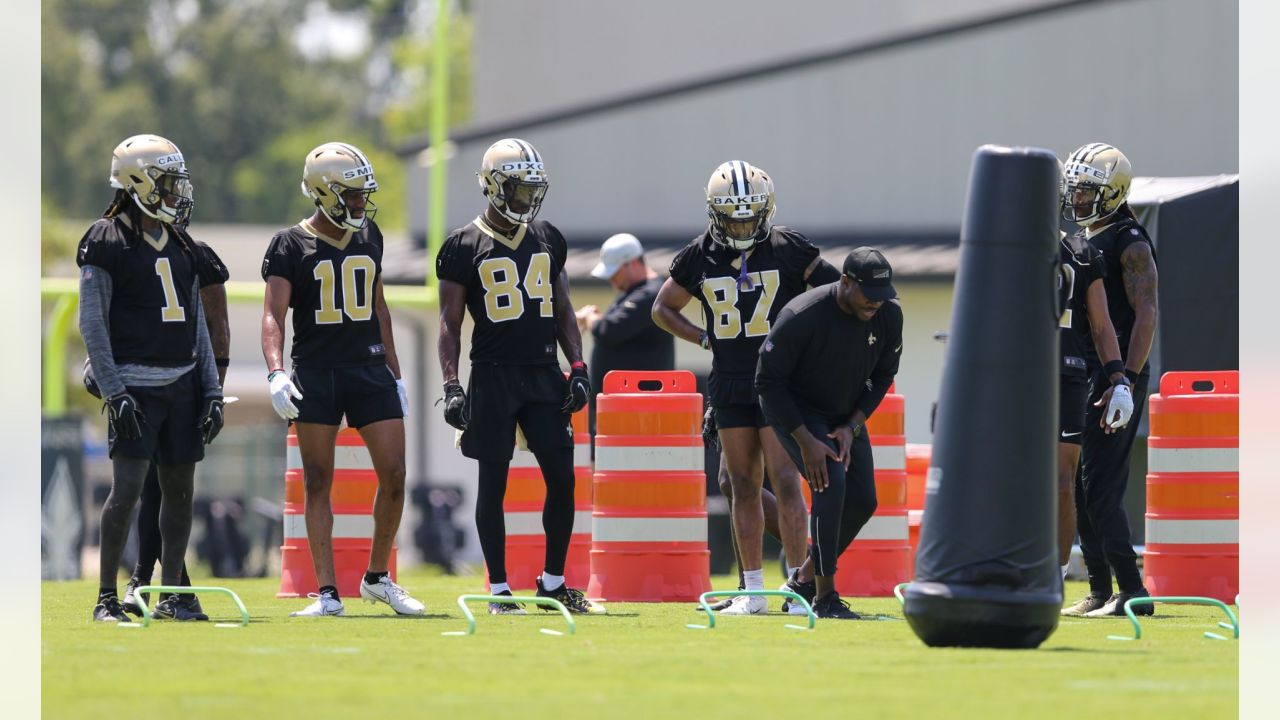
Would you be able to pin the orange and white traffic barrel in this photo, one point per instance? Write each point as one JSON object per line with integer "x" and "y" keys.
{"x": 522, "y": 511}
{"x": 1193, "y": 486}
{"x": 917, "y": 468}
{"x": 880, "y": 556}
{"x": 354, "y": 486}
{"x": 649, "y": 520}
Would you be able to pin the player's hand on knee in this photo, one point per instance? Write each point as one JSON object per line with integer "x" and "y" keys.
{"x": 579, "y": 393}
{"x": 710, "y": 432}
{"x": 403, "y": 392}
{"x": 1118, "y": 400}
{"x": 283, "y": 393}
{"x": 125, "y": 416}
{"x": 815, "y": 454}
{"x": 455, "y": 406}
{"x": 211, "y": 419}
{"x": 844, "y": 436}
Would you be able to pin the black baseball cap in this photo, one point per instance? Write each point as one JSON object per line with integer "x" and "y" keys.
{"x": 872, "y": 272}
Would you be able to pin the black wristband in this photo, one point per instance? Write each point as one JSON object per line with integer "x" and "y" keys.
{"x": 273, "y": 373}
{"x": 222, "y": 362}
{"x": 1112, "y": 367}
{"x": 1132, "y": 375}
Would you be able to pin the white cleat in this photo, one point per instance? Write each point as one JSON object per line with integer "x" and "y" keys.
{"x": 324, "y": 605}
{"x": 386, "y": 591}
{"x": 747, "y": 605}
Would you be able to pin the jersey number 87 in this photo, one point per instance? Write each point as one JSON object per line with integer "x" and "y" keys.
{"x": 722, "y": 297}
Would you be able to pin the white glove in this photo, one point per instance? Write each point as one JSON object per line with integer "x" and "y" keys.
{"x": 404, "y": 397}
{"x": 281, "y": 390}
{"x": 1120, "y": 409}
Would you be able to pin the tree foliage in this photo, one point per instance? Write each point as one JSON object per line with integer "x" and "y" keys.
{"x": 240, "y": 89}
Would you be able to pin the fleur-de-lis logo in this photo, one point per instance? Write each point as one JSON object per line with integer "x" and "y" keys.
{"x": 871, "y": 339}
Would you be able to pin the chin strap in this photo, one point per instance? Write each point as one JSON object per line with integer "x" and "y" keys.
{"x": 744, "y": 282}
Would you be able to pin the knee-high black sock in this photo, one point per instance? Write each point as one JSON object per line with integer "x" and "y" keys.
{"x": 490, "y": 523}
{"x": 149, "y": 541}
{"x": 557, "y": 510}
{"x": 177, "y": 483}
{"x": 126, "y": 486}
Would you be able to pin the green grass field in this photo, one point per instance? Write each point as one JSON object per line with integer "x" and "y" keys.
{"x": 638, "y": 661}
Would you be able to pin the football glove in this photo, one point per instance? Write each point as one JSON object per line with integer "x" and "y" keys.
{"x": 211, "y": 420}
{"x": 455, "y": 406}
{"x": 403, "y": 392}
{"x": 283, "y": 393}
{"x": 90, "y": 382}
{"x": 710, "y": 433}
{"x": 1120, "y": 409}
{"x": 125, "y": 417}
{"x": 579, "y": 392}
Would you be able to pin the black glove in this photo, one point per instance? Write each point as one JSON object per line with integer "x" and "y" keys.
{"x": 579, "y": 393}
{"x": 710, "y": 433}
{"x": 455, "y": 406}
{"x": 211, "y": 420}
{"x": 90, "y": 382}
{"x": 125, "y": 417}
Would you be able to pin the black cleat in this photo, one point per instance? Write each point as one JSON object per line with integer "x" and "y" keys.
{"x": 130, "y": 602}
{"x": 108, "y": 610}
{"x": 178, "y": 607}
{"x": 722, "y": 603}
{"x": 573, "y": 600}
{"x": 505, "y": 608}
{"x": 1114, "y": 607}
{"x": 1085, "y": 606}
{"x": 806, "y": 590}
{"x": 830, "y": 606}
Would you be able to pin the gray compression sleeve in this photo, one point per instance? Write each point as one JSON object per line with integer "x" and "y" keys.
{"x": 205, "y": 365}
{"x": 95, "y": 302}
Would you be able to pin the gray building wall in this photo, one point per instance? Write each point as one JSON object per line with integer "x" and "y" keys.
{"x": 883, "y": 139}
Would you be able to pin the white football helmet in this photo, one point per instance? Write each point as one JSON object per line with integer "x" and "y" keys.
{"x": 1095, "y": 183}
{"x": 332, "y": 170}
{"x": 151, "y": 169}
{"x": 513, "y": 179}
{"x": 740, "y": 204}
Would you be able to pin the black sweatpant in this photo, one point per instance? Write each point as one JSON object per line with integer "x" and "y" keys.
{"x": 556, "y": 465}
{"x": 840, "y": 511}
{"x": 1100, "y": 487}
{"x": 150, "y": 540}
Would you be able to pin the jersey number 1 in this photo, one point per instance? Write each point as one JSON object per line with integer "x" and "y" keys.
{"x": 500, "y": 278}
{"x": 172, "y": 310}
{"x": 356, "y": 304}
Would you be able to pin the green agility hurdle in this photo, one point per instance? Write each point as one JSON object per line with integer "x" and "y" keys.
{"x": 543, "y": 601}
{"x": 1233, "y": 626}
{"x": 205, "y": 590}
{"x": 711, "y": 616}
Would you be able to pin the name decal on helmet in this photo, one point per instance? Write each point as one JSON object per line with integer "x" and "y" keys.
{"x": 357, "y": 172}
{"x": 521, "y": 166}
{"x": 175, "y": 158}
{"x": 739, "y": 199}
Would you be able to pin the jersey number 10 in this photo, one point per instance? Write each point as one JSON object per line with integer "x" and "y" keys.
{"x": 503, "y": 299}
{"x": 356, "y": 304}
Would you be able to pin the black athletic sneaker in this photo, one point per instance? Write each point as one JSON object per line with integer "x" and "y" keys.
{"x": 1114, "y": 606}
{"x": 108, "y": 610}
{"x": 1085, "y": 606}
{"x": 174, "y": 607}
{"x": 832, "y": 607}
{"x": 130, "y": 602}
{"x": 193, "y": 605}
{"x": 806, "y": 590}
{"x": 722, "y": 603}
{"x": 501, "y": 608}
{"x": 573, "y": 600}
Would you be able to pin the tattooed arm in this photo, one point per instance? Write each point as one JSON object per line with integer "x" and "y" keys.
{"x": 1140, "y": 281}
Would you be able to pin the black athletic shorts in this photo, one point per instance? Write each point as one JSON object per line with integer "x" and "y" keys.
{"x": 499, "y": 396}
{"x": 170, "y": 433}
{"x": 365, "y": 394}
{"x": 1072, "y": 399}
{"x": 735, "y": 401}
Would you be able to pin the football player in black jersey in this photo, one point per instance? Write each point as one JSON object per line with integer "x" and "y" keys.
{"x": 212, "y": 276}
{"x": 743, "y": 269}
{"x": 143, "y": 326}
{"x": 328, "y": 269}
{"x": 1095, "y": 181}
{"x": 507, "y": 269}
{"x": 1084, "y": 319}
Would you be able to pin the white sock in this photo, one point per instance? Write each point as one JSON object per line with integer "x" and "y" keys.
{"x": 551, "y": 582}
{"x": 1064, "y": 570}
{"x": 495, "y": 588}
{"x": 753, "y": 579}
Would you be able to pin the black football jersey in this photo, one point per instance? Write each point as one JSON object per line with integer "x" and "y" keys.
{"x": 152, "y": 319}
{"x": 1081, "y": 266}
{"x": 209, "y": 267}
{"x": 740, "y": 310}
{"x": 334, "y": 319}
{"x": 1111, "y": 243}
{"x": 510, "y": 289}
